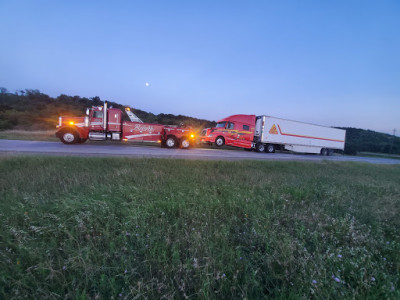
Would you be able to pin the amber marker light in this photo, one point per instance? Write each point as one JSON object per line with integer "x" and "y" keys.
{"x": 125, "y": 140}
{"x": 127, "y": 108}
{"x": 192, "y": 136}
{"x": 71, "y": 123}
{"x": 159, "y": 141}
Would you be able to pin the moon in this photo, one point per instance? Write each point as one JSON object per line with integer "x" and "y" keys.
{"x": 147, "y": 84}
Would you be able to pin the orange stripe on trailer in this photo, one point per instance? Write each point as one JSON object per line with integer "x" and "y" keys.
{"x": 307, "y": 137}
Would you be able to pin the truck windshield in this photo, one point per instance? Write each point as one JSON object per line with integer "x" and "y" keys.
{"x": 221, "y": 125}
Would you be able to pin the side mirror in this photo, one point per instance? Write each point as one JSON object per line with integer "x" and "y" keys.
{"x": 87, "y": 111}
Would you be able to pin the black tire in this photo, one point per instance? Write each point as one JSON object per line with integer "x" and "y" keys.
{"x": 324, "y": 152}
{"x": 185, "y": 143}
{"x": 260, "y": 147}
{"x": 270, "y": 148}
{"x": 69, "y": 137}
{"x": 219, "y": 141}
{"x": 171, "y": 142}
{"x": 330, "y": 152}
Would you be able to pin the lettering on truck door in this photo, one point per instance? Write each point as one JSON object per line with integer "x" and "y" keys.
{"x": 143, "y": 131}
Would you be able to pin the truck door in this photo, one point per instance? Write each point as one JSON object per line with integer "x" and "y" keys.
{"x": 244, "y": 136}
{"x": 231, "y": 135}
{"x": 96, "y": 120}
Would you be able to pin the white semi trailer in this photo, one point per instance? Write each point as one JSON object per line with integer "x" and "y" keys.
{"x": 272, "y": 133}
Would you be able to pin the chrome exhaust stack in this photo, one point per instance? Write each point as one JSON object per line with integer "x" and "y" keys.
{"x": 105, "y": 116}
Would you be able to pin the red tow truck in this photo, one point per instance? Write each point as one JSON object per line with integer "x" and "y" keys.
{"x": 106, "y": 123}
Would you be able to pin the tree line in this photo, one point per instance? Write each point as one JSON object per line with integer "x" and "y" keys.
{"x": 32, "y": 110}
{"x": 361, "y": 140}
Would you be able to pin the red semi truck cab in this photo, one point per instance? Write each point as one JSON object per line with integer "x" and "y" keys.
{"x": 235, "y": 130}
{"x": 102, "y": 123}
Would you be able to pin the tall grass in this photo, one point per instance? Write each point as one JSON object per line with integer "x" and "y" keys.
{"x": 122, "y": 228}
{"x": 33, "y": 135}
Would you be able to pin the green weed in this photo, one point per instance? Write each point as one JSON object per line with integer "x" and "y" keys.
{"x": 123, "y": 228}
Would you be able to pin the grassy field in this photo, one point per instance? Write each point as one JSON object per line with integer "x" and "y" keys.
{"x": 120, "y": 228}
{"x": 34, "y": 135}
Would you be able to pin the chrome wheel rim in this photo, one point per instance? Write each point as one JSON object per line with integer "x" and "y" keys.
{"x": 68, "y": 137}
{"x": 219, "y": 142}
{"x": 170, "y": 142}
{"x": 185, "y": 143}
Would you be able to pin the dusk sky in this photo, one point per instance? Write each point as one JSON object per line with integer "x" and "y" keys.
{"x": 334, "y": 63}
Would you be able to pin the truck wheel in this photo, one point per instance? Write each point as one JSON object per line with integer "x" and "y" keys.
{"x": 324, "y": 151}
{"x": 219, "y": 141}
{"x": 330, "y": 152}
{"x": 170, "y": 142}
{"x": 69, "y": 137}
{"x": 185, "y": 144}
{"x": 260, "y": 147}
{"x": 270, "y": 148}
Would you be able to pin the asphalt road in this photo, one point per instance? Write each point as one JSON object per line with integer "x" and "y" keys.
{"x": 132, "y": 150}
